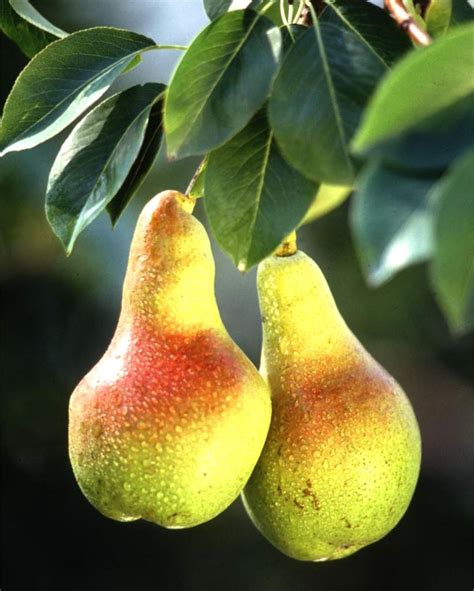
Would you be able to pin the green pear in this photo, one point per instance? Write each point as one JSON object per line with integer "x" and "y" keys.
{"x": 169, "y": 424}
{"x": 342, "y": 457}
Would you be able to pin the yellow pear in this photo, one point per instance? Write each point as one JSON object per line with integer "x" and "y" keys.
{"x": 342, "y": 457}
{"x": 171, "y": 421}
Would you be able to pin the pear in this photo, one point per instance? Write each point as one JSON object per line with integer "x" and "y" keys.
{"x": 169, "y": 424}
{"x": 342, "y": 457}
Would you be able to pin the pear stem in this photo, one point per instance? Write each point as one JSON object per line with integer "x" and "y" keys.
{"x": 288, "y": 247}
{"x": 187, "y": 202}
{"x": 195, "y": 177}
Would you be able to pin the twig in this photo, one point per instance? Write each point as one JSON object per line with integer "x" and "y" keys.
{"x": 407, "y": 23}
{"x": 305, "y": 16}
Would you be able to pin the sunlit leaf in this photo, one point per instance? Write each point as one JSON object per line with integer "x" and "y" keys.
{"x": 62, "y": 81}
{"x": 423, "y": 85}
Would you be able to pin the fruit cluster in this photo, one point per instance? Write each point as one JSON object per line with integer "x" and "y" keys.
{"x": 174, "y": 421}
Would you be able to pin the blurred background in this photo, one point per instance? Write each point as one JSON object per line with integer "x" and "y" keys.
{"x": 58, "y": 315}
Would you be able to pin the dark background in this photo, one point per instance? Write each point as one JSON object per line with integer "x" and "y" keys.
{"x": 58, "y": 315}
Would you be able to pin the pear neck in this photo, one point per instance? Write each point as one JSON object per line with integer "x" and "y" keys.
{"x": 300, "y": 316}
{"x": 170, "y": 273}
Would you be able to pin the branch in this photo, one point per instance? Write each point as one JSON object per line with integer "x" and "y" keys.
{"x": 407, "y": 23}
{"x": 305, "y": 17}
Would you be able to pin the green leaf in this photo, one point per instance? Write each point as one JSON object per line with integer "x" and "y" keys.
{"x": 327, "y": 198}
{"x": 372, "y": 25}
{"x": 253, "y": 198}
{"x": 430, "y": 146}
{"x": 216, "y": 8}
{"x": 62, "y": 81}
{"x": 462, "y": 12}
{"x": 221, "y": 82}
{"x": 452, "y": 269}
{"x": 96, "y": 159}
{"x": 29, "y": 13}
{"x": 24, "y": 25}
{"x": 318, "y": 98}
{"x": 391, "y": 220}
{"x": 422, "y": 85}
{"x": 438, "y": 16}
{"x": 287, "y": 39}
{"x": 143, "y": 163}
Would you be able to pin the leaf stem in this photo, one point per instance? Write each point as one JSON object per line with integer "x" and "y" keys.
{"x": 407, "y": 23}
{"x": 177, "y": 47}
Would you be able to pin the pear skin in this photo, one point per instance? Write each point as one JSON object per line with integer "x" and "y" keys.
{"x": 342, "y": 457}
{"x": 171, "y": 421}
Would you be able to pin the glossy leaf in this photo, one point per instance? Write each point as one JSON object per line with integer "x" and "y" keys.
{"x": 422, "y": 85}
{"x": 143, "y": 163}
{"x": 318, "y": 98}
{"x": 391, "y": 219}
{"x": 216, "y": 8}
{"x": 372, "y": 25}
{"x": 24, "y": 25}
{"x": 220, "y": 83}
{"x": 96, "y": 159}
{"x": 253, "y": 197}
{"x": 327, "y": 198}
{"x": 62, "y": 81}
{"x": 452, "y": 270}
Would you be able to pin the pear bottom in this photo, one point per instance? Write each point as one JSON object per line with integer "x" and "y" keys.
{"x": 175, "y": 479}
{"x": 336, "y": 475}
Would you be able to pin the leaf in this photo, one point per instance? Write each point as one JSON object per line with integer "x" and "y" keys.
{"x": 327, "y": 198}
{"x": 143, "y": 163}
{"x": 438, "y": 16}
{"x": 96, "y": 159}
{"x": 421, "y": 86}
{"x": 430, "y": 146}
{"x": 29, "y": 13}
{"x": 391, "y": 220}
{"x": 287, "y": 39}
{"x": 318, "y": 98}
{"x": 462, "y": 12}
{"x": 26, "y": 27}
{"x": 62, "y": 81}
{"x": 221, "y": 82}
{"x": 372, "y": 25}
{"x": 215, "y": 8}
{"x": 253, "y": 198}
{"x": 452, "y": 269}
